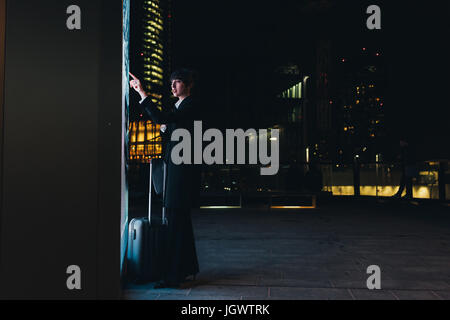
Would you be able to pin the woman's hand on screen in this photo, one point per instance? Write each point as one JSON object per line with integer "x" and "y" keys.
{"x": 137, "y": 86}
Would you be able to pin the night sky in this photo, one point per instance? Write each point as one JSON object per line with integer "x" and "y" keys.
{"x": 235, "y": 45}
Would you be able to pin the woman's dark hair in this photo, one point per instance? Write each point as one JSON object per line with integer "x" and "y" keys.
{"x": 185, "y": 75}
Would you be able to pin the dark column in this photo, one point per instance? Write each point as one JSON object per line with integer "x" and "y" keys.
{"x": 2, "y": 97}
{"x": 112, "y": 150}
{"x": 63, "y": 188}
{"x": 2, "y": 100}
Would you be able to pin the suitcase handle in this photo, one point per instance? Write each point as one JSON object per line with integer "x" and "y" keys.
{"x": 150, "y": 185}
{"x": 164, "y": 220}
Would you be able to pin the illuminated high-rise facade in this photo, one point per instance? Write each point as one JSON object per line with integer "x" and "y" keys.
{"x": 153, "y": 49}
{"x": 152, "y": 59}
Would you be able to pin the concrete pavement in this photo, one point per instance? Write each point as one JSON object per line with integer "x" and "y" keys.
{"x": 318, "y": 253}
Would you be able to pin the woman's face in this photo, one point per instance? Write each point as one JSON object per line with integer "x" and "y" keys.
{"x": 179, "y": 89}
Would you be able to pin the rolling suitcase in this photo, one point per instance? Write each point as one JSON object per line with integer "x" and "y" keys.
{"x": 146, "y": 235}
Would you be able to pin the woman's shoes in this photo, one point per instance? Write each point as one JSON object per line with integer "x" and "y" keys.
{"x": 190, "y": 277}
{"x": 163, "y": 284}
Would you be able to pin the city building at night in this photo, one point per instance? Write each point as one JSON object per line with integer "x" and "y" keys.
{"x": 293, "y": 114}
{"x": 360, "y": 98}
{"x": 350, "y": 100}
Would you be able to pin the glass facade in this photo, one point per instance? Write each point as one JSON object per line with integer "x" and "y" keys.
{"x": 360, "y": 102}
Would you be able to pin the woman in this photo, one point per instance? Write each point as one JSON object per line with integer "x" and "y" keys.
{"x": 183, "y": 180}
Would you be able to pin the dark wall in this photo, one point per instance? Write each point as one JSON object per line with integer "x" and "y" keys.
{"x": 61, "y": 196}
{"x": 418, "y": 75}
{"x": 2, "y": 87}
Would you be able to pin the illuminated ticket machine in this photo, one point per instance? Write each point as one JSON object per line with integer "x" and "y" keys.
{"x": 64, "y": 126}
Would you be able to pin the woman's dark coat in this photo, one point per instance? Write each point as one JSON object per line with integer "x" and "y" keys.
{"x": 183, "y": 181}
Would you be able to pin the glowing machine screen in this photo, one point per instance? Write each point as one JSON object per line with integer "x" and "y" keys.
{"x": 125, "y": 110}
